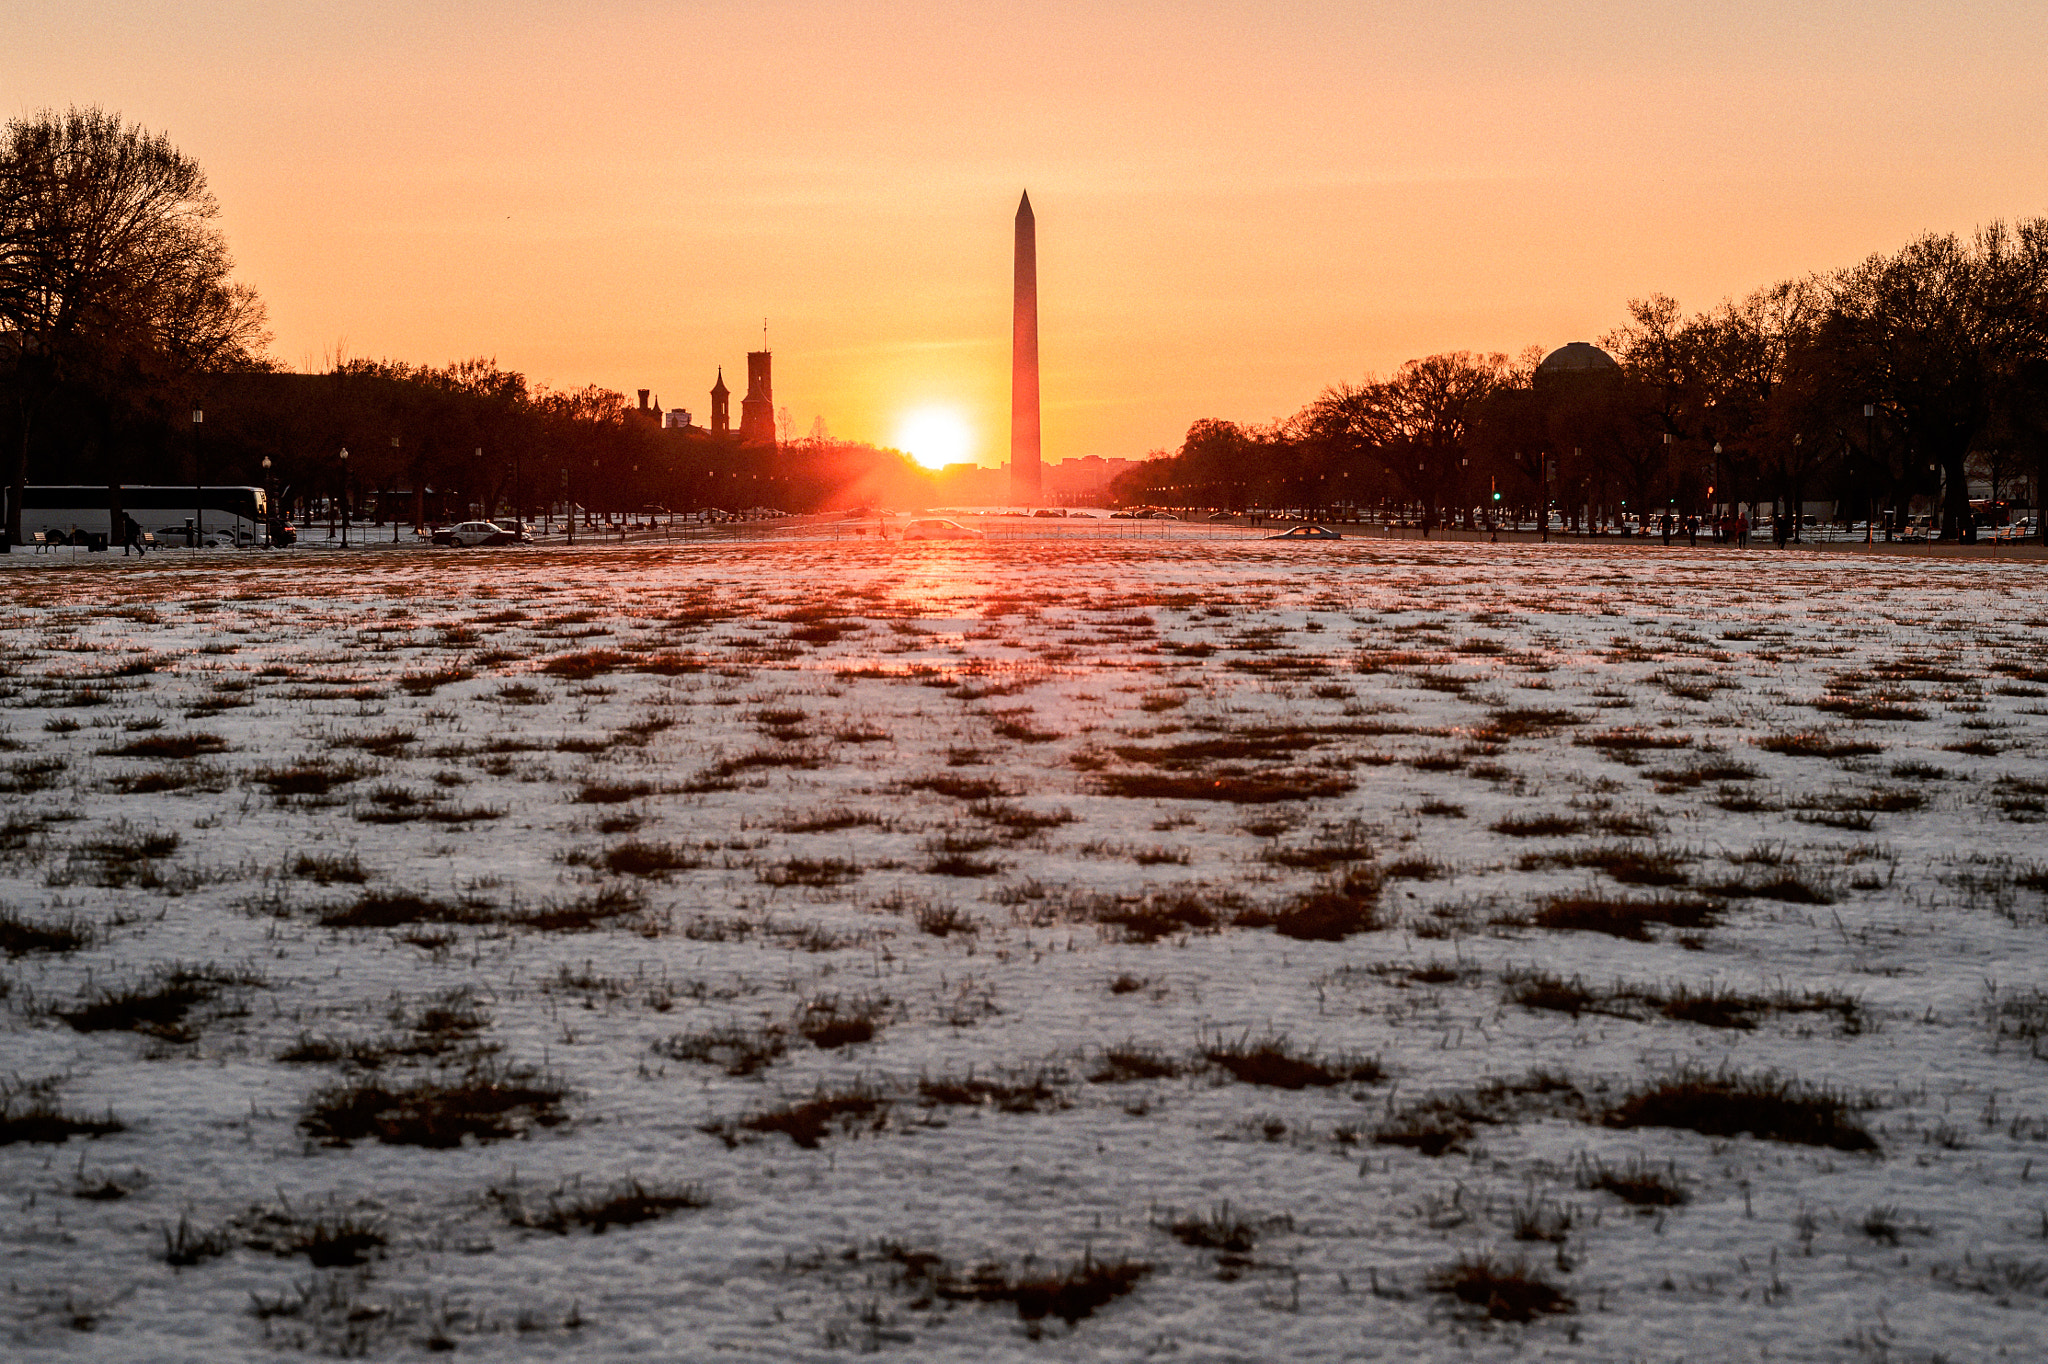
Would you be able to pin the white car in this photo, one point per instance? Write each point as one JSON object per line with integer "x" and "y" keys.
{"x": 469, "y": 534}
{"x": 931, "y": 528}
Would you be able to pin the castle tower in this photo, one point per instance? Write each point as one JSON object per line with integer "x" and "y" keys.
{"x": 1026, "y": 474}
{"x": 721, "y": 411}
{"x": 757, "y": 409}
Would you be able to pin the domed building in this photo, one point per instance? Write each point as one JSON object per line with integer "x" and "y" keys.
{"x": 1579, "y": 360}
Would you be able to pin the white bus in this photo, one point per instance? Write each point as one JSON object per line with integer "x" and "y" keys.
{"x": 167, "y": 511}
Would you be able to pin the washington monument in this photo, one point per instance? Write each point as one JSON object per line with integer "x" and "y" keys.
{"x": 1025, "y": 474}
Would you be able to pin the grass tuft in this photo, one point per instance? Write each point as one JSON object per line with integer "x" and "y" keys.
{"x": 1726, "y": 1103}
{"x": 484, "y": 1104}
{"x": 1507, "y": 1290}
{"x": 1273, "y": 1062}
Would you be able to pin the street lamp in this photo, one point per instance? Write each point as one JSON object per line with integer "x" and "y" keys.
{"x": 198, "y": 496}
{"x": 394, "y": 510}
{"x": 1793, "y": 492}
{"x": 269, "y": 540}
{"x": 344, "y": 497}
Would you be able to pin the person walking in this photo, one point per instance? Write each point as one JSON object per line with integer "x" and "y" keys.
{"x": 1742, "y": 530}
{"x": 131, "y": 536}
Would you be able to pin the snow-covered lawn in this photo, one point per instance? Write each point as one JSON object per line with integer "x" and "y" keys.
{"x": 1081, "y": 949}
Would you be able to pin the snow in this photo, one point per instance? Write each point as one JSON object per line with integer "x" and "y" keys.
{"x": 1027, "y": 664}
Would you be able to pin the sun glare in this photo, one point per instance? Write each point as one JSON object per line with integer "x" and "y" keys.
{"x": 935, "y": 436}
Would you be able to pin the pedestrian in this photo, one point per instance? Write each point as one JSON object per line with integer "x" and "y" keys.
{"x": 1742, "y": 530}
{"x": 131, "y": 535}
{"x": 1692, "y": 532}
{"x": 1666, "y": 520}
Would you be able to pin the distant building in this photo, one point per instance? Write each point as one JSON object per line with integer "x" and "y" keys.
{"x": 757, "y": 409}
{"x": 676, "y": 419}
{"x": 1084, "y": 480}
{"x": 1579, "y": 360}
{"x": 721, "y": 413}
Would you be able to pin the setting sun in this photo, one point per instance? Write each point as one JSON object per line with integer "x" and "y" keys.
{"x": 935, "y": 437}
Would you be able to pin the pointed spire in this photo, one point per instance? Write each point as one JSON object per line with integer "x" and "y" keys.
{"x": 1024, "y": 214}
{"x": 720, "y": 387}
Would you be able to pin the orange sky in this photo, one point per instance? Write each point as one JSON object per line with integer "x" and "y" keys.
{"x": 1237, "y": 204}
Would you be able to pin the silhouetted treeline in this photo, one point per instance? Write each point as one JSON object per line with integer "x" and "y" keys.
{"x": 119, "y": 323}
{"x": 1896, "y": 379}
{"x": 441, "y": 442}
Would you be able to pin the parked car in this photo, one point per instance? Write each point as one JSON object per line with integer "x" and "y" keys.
{"x": 1307, "y": 532}
{"x": 469, "y": 534}
{"x": 934, "y": 528}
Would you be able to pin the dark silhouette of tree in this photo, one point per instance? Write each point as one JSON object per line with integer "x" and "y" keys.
{"x": 114, "y": 287}
{"x": 1941, "y": 336}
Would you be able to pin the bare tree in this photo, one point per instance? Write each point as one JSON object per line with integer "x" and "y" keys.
{"x": 1939, "y": 336}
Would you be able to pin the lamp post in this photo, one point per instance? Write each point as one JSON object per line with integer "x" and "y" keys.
{"x": 394, "y": 510}
{"x": 269, "y": 540}
{"x": 198, "y": 496}
{"x": 344, "y": 497}
{"x": 1795, "y": 490}
{"x": 1870, "y": 461}
{"x": 1713, "y": 507}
